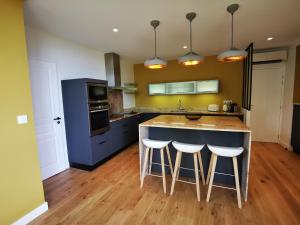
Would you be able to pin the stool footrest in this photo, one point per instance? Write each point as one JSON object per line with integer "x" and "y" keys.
{"x": 153, "y": 175}
{"x": 159, "y": 164}
{"x": 184, "y": 181}
{"x": 225, "y": 174}
{"x": 219, "y": 186}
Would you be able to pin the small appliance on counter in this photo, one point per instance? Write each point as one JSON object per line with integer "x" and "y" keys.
{"x": 213, "y": 108}
{"x": 230, "y": 106}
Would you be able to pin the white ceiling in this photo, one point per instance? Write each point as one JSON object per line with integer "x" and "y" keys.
{"x": 90, "y": 23}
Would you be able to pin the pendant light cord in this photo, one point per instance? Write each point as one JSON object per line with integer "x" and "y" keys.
{"x": 231, "y": 30}
{"x": 191, "y": 45}
{"x": 155, "y": 42}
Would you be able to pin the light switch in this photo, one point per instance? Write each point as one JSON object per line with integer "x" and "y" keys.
{"x": 22, "y": 119}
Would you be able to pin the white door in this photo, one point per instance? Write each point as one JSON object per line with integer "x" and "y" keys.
{"x": 44, "y": 91}
{"x": 267, "y": 91}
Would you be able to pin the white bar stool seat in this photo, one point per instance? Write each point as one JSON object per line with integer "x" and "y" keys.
{"x": 187, "y": 148}
{"x": 195, "y": 150}
{"x": 156, "y": 144}
{"x": 225, "y": 151}
{"x": 231, "y": 152}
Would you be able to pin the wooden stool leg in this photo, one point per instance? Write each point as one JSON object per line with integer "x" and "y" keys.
{"x": 197, "y": 176}
{"x": 150, "y": 160}
{"x": 214, "y": 162}
{"x": 176, "y": 169}
{"x": 201, "y": 167}
{"x": 177, "y": 175}
{"x": 170, "y": 161}
{"x": 237, "y": 182}
{"x": 145, "y": 166}
{"x": 209, "y": 168}
{"x": 163, "y": 169}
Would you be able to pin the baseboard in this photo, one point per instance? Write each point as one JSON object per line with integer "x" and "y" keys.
{"x": 286, "y": 145}
{"x": 32, "y": 215}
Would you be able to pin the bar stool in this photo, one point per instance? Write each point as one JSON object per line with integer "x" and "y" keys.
{"x": 195, "y": 150}
{"x": 232, "y": 152}
{"x": 156, "y": 144}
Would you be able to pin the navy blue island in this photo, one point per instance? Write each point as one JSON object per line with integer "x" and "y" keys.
{"x": 213, "y": 130}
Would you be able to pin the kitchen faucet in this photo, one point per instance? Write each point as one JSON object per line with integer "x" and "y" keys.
{"x": 180, "y": 107}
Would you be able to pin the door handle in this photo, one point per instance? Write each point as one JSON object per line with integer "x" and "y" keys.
{"x": 57, "y": 118}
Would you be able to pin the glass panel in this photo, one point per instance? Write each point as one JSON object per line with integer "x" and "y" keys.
{"x": 208, "y": 86}
{"x": 157, "y": 89}
{"x": 181, "y": 88}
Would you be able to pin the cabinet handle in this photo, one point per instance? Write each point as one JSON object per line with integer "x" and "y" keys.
{"x": 102, "y": 142}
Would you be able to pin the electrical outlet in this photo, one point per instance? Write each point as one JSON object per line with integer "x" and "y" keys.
{"x": 22, "y": 119}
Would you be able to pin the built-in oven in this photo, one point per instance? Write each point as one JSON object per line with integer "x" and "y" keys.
{"x": 99, "y": 118}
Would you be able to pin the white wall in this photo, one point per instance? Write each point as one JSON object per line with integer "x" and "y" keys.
{"x": 73, "y": 61}
{"x": 287, "y": 107}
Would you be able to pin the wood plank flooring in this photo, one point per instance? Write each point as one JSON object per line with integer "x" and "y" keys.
{"x": 111, "y": 195}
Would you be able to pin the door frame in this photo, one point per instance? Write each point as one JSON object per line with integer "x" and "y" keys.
{"x": 280, "y": 65}
{"x": 61, "y": 136}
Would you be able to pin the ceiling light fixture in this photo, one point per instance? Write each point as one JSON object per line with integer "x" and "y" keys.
{"x": 191, "y": 58}
{"x": 270, "y": 38}
{"x": 185, "y": 47}
{"x": 233, "y": 54}
{"x": 115, "y": 30}
{"x": 155, "y": 62}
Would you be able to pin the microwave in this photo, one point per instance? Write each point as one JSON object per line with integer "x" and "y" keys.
{"x": 97, "y": 92}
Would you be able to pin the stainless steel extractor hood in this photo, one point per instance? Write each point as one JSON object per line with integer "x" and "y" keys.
{"x": 113, "y": 71}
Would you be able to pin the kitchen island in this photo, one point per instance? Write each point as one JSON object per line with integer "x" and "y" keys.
{"x": 214, "y": 130}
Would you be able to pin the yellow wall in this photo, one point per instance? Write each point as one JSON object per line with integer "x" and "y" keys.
{"x": 297, "y": 77}
{"x": 21, "y": 188}
{"x": 229, "y": 74}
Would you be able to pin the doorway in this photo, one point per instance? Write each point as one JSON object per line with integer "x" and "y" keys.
{"x": 267, "y": 97}
{"x": 47, "y": 117}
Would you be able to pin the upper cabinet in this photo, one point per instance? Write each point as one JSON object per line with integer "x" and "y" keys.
{"x": 157, "y": 89}
{"x": 208, "y": 86}
{"x": 186, "y": 87}
{"x": 180, "y": 88}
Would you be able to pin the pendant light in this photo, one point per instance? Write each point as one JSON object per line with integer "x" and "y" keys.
{"x": 233, "y": 54}
{"x": 155, "y": 62}
{"x": 191, "y": 58}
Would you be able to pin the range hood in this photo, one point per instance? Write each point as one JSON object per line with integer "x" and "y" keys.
{"x": 113, "y": 71}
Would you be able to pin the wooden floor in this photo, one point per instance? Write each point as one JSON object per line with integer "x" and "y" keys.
{"x": 111, "y": 195}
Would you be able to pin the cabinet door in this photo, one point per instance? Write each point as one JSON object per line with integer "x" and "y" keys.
{"x": 148, "y": 116}
{"x": 101, "y": 146}
{"x": 157, "y": 89}
{"x": 296, "y": 129}
{"x": 117, "y": 135}
{"x": 208, "y": 86}
{"x": 180, "y": 88}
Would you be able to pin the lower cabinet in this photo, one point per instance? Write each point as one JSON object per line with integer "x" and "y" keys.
{"x": 122, "y": 133}
{"x": 296, "y": 129}
{"x": 101, "y": 147}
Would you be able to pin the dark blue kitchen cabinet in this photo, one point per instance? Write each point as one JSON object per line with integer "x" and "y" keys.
{"x": 84, "y": 150}
{"x": 148, "y": 116}
{"x": 296, "y": 129}
{"x": 101, "y": 147}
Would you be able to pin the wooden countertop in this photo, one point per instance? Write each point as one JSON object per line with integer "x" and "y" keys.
{"x": 211, "y": 123}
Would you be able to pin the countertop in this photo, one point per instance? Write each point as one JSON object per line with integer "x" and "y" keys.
{"x": 134, "y": 112}
{"x": 212, "y": 123}
{"x": 116, "y": 117}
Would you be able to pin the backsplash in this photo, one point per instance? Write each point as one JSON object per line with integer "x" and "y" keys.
{"x": 115, "y": 99}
